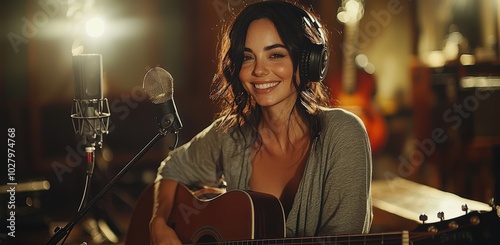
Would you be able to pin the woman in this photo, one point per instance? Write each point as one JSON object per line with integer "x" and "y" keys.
{"x": 275, "y": 133}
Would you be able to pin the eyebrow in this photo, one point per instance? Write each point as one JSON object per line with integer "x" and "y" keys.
{"x": 267, "y": 48}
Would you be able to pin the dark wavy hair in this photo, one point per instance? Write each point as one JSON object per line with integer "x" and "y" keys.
{"x": 237, "y": 107}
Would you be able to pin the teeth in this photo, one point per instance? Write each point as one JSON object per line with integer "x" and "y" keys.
{"x": 265, "y": 85}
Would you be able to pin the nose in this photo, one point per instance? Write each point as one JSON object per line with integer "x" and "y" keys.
{"x": 260, "y": 68}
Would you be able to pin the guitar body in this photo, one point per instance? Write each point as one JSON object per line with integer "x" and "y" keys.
{"x": 359, "y": 101}
{"x": 235, "y": 215}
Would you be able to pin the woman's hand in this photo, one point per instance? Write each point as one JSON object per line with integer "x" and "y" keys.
{"x": 161, "y": 233}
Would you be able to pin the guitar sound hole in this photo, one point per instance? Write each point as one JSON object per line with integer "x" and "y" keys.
{"x": 206, "y": 239}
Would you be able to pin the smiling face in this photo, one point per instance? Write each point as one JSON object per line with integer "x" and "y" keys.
{"x": 267, "y": 69}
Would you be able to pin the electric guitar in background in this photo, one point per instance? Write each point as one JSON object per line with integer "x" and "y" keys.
{"x": 353, "y": 89}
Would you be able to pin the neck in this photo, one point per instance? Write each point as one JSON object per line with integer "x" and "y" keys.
{"x": 284, "y": 128}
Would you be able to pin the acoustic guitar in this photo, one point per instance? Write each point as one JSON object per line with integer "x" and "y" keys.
{"x": 354, "y": 86}
{"x": 245, "y": 217}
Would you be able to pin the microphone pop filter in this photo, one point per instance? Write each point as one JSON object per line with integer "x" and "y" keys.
{"x": 158, "y": 84}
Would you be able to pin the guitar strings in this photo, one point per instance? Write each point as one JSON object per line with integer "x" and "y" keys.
{"x": 386, "y": 238}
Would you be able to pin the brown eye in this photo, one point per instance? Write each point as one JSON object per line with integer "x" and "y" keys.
{"x": 277, "y": 56}
{"x": 247, "y": 58}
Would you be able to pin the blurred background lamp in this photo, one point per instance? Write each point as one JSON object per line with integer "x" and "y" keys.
{"x": 94, "y": 27}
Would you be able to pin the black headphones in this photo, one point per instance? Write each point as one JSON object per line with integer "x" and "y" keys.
{"x": 314, "y": 59}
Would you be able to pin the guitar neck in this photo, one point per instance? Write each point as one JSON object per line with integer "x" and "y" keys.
{"x": 350, "y": 46}
{"x": 402, "y": 237}
{"x": 349, "y": 50}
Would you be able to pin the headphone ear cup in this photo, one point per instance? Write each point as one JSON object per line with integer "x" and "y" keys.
{"x": 314, "y": 63}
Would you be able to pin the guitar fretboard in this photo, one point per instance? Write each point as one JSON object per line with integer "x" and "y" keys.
{"x": 350, "y": 50}
{"x": 402, "y": 237}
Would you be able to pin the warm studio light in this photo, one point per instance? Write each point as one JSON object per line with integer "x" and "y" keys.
{"x": 361, "y": 60}
{"x": 467, "y": 59}
{"x": 352, "y": 11}
{"x": 343, "y": 16}
{"x": 435, "y": 59}
{"x": 94, "y": 27}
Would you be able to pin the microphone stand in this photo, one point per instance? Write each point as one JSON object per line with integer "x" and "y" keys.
{"x": 61, "y": 232}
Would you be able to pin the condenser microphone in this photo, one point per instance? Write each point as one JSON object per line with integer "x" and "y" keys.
{"x": 90, "y": 111}
{"x": 158, "y": 84}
